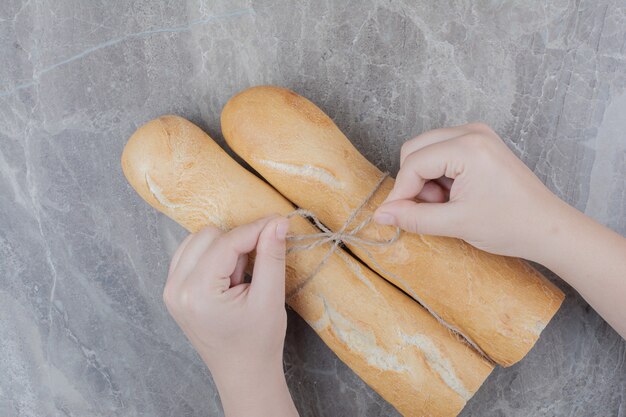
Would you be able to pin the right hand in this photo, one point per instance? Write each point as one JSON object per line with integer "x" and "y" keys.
{"x": 471, "y": 186}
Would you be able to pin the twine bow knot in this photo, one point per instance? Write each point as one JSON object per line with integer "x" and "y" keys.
{"x": 343, "y": 235}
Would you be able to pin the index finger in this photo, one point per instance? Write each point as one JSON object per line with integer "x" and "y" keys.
{"x": 188, "y": 254}
{"x": 219, "y": 261}
{"x": 439, "y": 135}
{"x": 429, "y": 138}
{"x": 432, "y": 162}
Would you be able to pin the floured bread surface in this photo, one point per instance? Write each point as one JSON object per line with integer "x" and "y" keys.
{"x": 500, "y": 304}
{"x": 381, "y": 334}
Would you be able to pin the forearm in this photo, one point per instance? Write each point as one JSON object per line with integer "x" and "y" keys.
{"x": 591, "y": 258}
{"x": 258, "y": 391}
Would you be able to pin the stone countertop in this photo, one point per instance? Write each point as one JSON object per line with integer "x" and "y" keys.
{"x": 83, "y": 330}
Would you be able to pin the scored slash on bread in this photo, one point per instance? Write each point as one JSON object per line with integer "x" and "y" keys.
{"x": 384, "y": 336}
{"x": 500, "y": 304}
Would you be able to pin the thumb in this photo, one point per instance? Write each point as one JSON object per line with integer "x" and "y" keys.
{"x": 268, "y": 275}
{"x": 438, "y": 219}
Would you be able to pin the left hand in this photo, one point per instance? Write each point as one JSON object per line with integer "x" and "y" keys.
{"x": 237, "y": 328}
{"x": 229, "y": 322}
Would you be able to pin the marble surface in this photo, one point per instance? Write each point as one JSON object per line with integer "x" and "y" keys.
{"x": 83, "y": 330}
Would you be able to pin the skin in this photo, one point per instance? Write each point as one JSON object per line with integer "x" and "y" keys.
{"x": 469, "y": 185}
{"x": 472, "y": 187}
{"x": 237, "y": 328}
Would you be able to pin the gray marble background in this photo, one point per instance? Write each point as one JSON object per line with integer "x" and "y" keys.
{"x": 83, "y": 330}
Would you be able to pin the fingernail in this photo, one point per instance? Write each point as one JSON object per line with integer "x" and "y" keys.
{"x": 281, "y": 229}
{"x": 384, "y": 218}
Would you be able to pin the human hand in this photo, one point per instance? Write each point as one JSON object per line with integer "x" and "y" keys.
{"x": 237, "y": 328}
{"x": 471, "y": 187}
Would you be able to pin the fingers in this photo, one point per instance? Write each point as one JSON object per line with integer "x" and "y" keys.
{"x": 189, "y": 253}
{"x": 268, "y": 276}
{"x": 178, "y": 252}
{"x": 445, "y": 183}
{"x": 429, "y": 165}
{"x": 439, "y": 135}
{"x": 433, "y": 193}
{"x": 219, "y": 262}
{"x": 432, "y": 162}
{"x": 240, "y": 269}
{"x": 438, "y": 155}
{"x": 424, "y": 218}
{"x": 429, "y": 138}
{"x": 237, "y": 291}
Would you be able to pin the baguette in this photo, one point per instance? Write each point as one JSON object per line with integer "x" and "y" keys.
{"x": 500, "y": 304}
{"x": 393, "y": 344}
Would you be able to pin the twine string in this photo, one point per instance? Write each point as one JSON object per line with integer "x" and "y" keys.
{"x": 342, "y": 235}
{"x": 349, "y": 237}
{"x": 337, "y": 238}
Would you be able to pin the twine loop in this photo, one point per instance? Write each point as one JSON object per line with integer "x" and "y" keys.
{"x": 340, "y": 237}
{"x": 343, "y": 235}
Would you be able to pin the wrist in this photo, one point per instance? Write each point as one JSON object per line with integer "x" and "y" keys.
{"x": 245, "y": 389}
{"x": 248, "y": 380}
{"x": 244, "y": 370}
{"x": 226, "y": 365}
{"x": 541, "y": 230}
{"x": 561, "y": 225}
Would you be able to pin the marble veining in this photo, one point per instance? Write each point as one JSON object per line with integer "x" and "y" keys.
{"x": 83, "y": 260}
